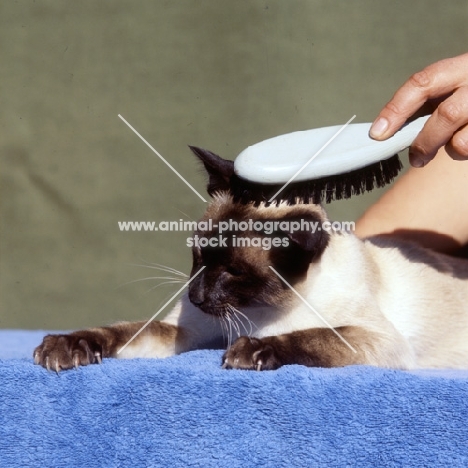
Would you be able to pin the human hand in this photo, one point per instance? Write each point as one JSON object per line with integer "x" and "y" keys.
{"x": 444, "y": 85}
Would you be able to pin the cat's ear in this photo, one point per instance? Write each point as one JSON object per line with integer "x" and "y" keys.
{"x": 310, "y": 238}
{"x": 313, "y": 243}
{"x": 304, "y": 247}
{"x": 219, "y": 170}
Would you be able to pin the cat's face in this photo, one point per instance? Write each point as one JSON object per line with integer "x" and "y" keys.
{"x": 238, "y": 263}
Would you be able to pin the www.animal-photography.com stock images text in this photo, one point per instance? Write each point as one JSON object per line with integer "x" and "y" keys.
{"x": 233, "y": 234}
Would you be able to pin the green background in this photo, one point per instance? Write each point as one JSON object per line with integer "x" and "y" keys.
{"x": 217, "y": 74}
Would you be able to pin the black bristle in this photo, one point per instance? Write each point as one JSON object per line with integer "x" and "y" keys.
{"x": 326, "y": 189}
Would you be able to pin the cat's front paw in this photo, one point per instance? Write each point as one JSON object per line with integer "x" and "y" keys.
{"x": 61, "y": 352}
{"x": 251, "y": 354}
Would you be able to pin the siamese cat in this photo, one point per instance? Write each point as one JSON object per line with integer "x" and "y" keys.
{"x": 322, "y": 298}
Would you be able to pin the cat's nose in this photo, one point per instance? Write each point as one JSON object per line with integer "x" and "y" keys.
{"x": 196, "y": 302}
{"x": 196, "y": 297}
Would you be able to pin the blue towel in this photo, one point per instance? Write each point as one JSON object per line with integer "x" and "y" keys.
{"x": 185, "y": 411}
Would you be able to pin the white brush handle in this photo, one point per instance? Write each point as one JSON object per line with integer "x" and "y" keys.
{"x": 276, "y": 160}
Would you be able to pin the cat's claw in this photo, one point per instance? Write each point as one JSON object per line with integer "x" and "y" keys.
{"x": 62, "y": 352}
{"x": 251, "y": 354}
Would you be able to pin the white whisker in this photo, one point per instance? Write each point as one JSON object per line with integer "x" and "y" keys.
{"x": 237, "y": 319}
{"x": 251, "y": 324}
{"x": 151, "y": 278}
{"x": 165, "y": 282}
{"x": 157, "y": 266}
{"x": 173, "y": 270}
{"x": 228, "y": 323}
{"x": 224, "y": 328}
{"x": 235, "y": 324}
{"x": 219, "y": 321}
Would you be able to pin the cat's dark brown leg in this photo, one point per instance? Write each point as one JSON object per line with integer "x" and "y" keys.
{"x": 80, "y": 348}
{"x": 317, "y": 347}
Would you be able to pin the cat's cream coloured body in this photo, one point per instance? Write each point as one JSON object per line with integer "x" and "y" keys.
{"x": 419, "y": 312}
{"x": 378, "y": 302}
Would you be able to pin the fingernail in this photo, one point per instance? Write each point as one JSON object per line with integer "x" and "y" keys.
{"x": 378, "y": 127}
{"x": 415, "y": 159}
{"x": 417, "y": 162}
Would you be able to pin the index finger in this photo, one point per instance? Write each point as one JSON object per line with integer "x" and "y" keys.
{"x": 436, "y": 80}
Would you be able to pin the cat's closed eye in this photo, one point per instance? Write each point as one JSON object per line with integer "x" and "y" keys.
{"x": 234, "y": 271}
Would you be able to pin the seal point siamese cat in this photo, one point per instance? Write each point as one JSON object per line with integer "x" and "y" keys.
{"x": 379, "y": 301}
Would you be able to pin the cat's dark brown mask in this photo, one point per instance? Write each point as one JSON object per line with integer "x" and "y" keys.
{"x": 238, "y": 273}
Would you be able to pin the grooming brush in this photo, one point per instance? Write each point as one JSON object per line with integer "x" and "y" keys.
{"x": 317, "y": 167}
